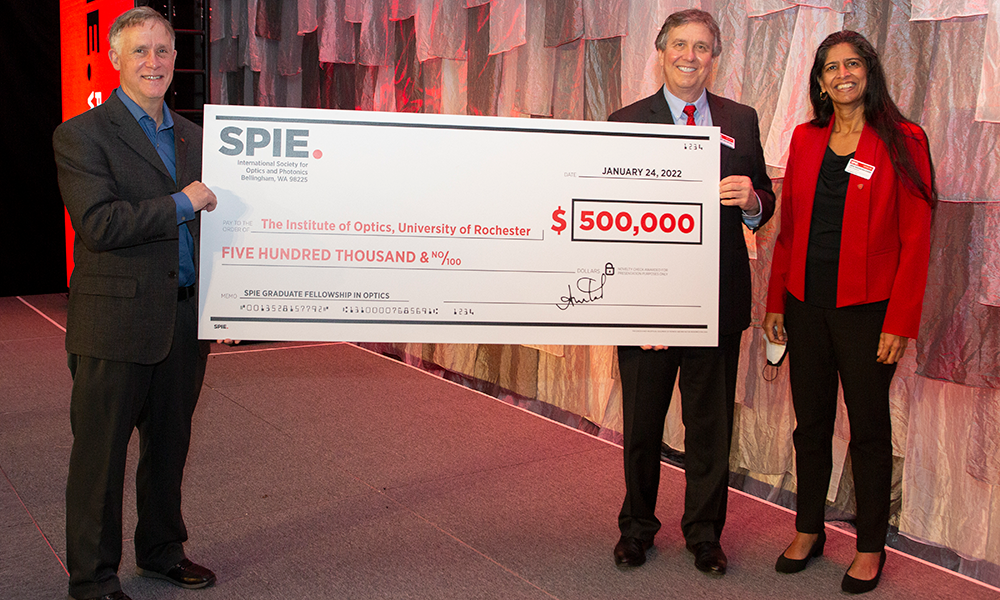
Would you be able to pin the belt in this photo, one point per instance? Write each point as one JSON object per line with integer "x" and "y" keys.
{"x": 184, "y": 293}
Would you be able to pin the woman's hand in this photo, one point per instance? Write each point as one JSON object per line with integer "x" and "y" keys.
{"x": 774, "y": 328}
{"x": 891, "y": 348}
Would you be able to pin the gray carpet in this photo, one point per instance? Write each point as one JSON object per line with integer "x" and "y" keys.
{"x": 326, "y": 471}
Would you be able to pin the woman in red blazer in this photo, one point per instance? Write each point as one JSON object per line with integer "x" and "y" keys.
{"x": 847, "y": 285}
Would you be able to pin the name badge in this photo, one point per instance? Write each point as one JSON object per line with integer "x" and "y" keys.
{"x": 856, "y": 167}
{"x": 727, "y": 141}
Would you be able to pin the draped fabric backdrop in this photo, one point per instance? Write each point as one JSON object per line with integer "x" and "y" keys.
{"x": 583, "y": 59}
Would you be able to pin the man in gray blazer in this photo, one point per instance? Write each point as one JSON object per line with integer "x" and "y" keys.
{"x": 687, "y": 46}
{"x": 129, "y": 174}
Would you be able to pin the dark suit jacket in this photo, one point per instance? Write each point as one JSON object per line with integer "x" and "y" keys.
{"x": 123, "y": 291}
{"x": 886, "y": 237}
{"x": 739, "y": 122}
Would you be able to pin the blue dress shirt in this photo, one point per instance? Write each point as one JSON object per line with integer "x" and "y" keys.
{"x": 162, "y": 139}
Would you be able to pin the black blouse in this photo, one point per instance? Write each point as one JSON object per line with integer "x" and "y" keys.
{"x": 823, "y": 256}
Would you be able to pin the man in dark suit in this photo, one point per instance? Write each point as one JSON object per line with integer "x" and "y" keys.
{"x": 687, "y": 45}
{"x": 128, "y": 172}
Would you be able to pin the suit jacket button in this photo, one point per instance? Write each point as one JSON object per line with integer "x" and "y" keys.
{"x": 172, "y": 274}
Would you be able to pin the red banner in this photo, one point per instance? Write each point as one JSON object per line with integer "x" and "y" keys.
{"x": 87, "y": 74}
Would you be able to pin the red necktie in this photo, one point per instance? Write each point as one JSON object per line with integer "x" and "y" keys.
{"x": 689, "y": 111}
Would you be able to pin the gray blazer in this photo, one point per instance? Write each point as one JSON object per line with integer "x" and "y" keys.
{"x": 123, "y": 291}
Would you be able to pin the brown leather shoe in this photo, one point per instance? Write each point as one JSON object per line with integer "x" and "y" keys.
{"x": 184, "y": 574}
{"x": 119, "y": 595}
{"x": 631, "y": 552}
{"x": 709, "y": 557}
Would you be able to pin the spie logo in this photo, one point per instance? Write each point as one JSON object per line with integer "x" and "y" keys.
{"x": 292, "y": 143}
{"x": 93, "y": 47}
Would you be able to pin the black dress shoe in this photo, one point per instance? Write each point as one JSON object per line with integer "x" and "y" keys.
{"x": 119, "y": 595}
{"x": 794, "y": 565}
{"x": 709, "y": 557}
{"x": 185, "y": 574}
{"x": 631, "y": 552}
{"x": 860, "y": 586}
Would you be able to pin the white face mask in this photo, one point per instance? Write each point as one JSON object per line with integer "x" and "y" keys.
{"x": 775, "y": 353}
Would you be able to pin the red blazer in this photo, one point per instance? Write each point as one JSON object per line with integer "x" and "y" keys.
{"x": 885, "y": 242}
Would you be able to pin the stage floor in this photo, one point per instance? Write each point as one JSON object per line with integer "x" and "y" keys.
{"x": 327, "y": 471}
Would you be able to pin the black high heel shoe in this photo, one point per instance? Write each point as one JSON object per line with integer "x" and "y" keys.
{"x": 860, "y": 586}
{"x": 794, "y": 565}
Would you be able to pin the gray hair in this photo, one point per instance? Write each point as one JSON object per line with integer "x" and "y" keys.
{"x": 134, "y": 18}
{"x": 692, "y": 15}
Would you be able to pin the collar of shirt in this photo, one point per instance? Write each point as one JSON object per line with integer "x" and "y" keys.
{"x": 162, "y": 139}
{"x": 702, "y": 114}
{"x": 145, "y": 121}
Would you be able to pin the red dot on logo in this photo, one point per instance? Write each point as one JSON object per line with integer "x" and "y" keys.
{"x": 317, "y": 154}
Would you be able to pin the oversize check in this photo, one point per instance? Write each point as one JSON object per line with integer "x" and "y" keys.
{"x": 344, "y": 225}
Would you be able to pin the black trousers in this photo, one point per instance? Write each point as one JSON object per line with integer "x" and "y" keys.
{"x": 708, "y": 393}
{"x": 109, "y": 400}
{"x": 824, "y": 343}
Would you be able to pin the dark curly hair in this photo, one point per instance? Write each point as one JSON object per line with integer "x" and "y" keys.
{"x": 881, "y": 113}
